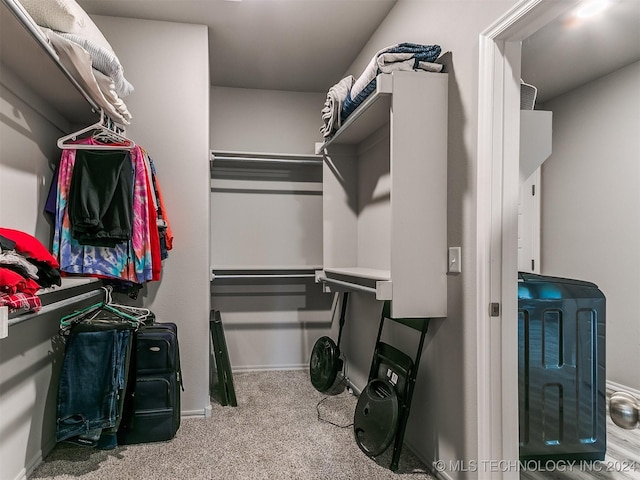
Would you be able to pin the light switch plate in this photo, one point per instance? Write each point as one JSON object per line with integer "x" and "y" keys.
{"x": 455, "y": 259}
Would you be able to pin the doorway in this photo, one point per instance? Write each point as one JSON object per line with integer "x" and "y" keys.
{"x": 498, "y": 190}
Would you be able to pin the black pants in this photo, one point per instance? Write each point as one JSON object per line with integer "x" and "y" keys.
{"x": 100, "y": 199}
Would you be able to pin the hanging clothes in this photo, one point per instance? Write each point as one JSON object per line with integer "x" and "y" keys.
{"x": 92, "y": 385}
{"x": 128, "y": 261}
{"x": 164, "y": 228}
{"x": 101, "y": 197}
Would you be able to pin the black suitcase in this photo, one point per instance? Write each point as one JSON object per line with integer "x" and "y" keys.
{"x": 152, "y": 404}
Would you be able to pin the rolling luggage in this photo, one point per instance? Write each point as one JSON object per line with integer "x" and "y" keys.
{"x": 152, "y": 404}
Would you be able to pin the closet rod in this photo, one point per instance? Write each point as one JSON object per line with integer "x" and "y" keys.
{"x": 238, "y": 276}
{"x": 267, "y": 160}
{"x": 348, "y": 285}
{"x": 266, "y": 157}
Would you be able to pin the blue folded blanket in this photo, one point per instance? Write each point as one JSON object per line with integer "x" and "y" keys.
{"x": 403, "y": 56}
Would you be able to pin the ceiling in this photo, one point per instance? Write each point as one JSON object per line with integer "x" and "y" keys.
{"x": 572, "y": 51}
{"x": 308, "y": 45}
{"x": 294, "y": 45}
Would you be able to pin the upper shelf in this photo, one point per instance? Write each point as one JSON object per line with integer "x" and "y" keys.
{"x": 372, "y": 114}
{"x": 25, "y": 52}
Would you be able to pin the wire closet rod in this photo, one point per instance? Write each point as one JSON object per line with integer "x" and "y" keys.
{"x": 238, "y": 276}
{"x": 284, "y": 158}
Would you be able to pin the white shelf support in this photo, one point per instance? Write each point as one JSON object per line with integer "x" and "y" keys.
{"x": 383, "y": 289}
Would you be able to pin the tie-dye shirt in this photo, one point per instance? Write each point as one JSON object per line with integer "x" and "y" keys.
{"x": 130, "y": 260}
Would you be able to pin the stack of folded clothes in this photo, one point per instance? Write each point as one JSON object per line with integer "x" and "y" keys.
{"x": 346, "y": 95}
{"x": 26, "y": 266}
{"x": 85, "y": 52}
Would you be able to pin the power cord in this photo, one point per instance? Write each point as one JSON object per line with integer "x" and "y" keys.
{"x": 344, "y": 380}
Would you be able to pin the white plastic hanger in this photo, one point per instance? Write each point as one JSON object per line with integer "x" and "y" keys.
{"x": 102, "y": 133}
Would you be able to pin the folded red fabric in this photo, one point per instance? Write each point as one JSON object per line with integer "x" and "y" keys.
{"x": 12, "y": 282}
{"x": 30, "y": 246}
{"x": 21, "y": 301}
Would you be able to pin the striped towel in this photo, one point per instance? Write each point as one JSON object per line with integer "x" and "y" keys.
{"x": 402, "y": 56}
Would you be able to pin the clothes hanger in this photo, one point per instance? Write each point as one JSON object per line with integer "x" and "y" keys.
{"x": 140, "y": 313}
{"x": 67, "y": 321}
{"x": 105, "y": 130}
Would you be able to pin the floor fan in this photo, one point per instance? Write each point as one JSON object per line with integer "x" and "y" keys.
{"x": 325, "y": 363}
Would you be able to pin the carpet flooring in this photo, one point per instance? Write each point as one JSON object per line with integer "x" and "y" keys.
{"x": 273, "y": 433}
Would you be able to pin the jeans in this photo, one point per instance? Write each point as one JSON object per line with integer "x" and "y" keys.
{"x": 94, "y": 374}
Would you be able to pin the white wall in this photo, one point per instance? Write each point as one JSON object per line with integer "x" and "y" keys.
{"x": 443, "y": 422}
{"x": 265, "y": 120}
{"x": 590, "y": 205}
{"x": 28, "y": 151}
{"x": 173, "y": 125}
{"x": 168, "y": 65}
{"x": 30, "y": 356}
{"x": 268, "y": 324}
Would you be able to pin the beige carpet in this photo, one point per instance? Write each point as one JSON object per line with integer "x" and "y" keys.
{"x": 273, "y": 433}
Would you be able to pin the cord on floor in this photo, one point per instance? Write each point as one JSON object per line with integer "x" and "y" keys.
{"x": 344, "y": 380}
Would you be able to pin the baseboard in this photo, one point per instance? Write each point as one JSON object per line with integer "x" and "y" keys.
{"x": 204, "y": 412}
{"x": 36, "y": 460}
{"x": 428, "y": 463}
{"x": 617, "y": 387}
{"x": 354, "y": 390}
{"x": 266, "y": 368}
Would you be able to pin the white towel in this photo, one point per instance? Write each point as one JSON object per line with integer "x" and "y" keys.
{"x": 78, "y": 61}
{"x": 104, "y": 60}
{"x": 333, "y": 105}
{"x": 108, "y": 89}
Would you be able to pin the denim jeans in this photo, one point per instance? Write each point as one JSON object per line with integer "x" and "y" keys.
{"x": 93, "y": 375}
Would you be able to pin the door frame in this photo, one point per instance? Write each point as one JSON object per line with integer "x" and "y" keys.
{"x": 497, "y": 223}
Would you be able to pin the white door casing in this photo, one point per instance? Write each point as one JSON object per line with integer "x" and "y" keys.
{"x": 497, "y": 243}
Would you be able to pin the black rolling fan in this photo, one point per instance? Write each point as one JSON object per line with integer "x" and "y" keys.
{"x": 325, "y": 363}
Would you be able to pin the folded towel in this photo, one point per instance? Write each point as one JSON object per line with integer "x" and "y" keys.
{"x": 104, "y": 60}
{"x": 108, "y": 89}
{"x": 403, "y": 56}
{"x": 391, "y": 54}
{"x": 333, "y": 106}
{"x": 78, "y": 61}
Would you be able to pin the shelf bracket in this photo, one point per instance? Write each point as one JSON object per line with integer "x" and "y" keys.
{"x": 382, "y": 291}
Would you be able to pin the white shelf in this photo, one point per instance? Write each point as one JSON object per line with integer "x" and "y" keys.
{"x": 359, "y": 279}
{"x": 62, "y": 299}
{"x": 372, "y": 114}
{"x": 385, "y": 196}
{"x": 361, "y": 272}
{"x": 37, "y": 67}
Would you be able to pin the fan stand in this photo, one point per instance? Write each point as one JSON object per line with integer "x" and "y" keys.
{"x": 325, "y": 362}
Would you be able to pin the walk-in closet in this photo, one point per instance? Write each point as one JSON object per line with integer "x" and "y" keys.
{"x": 271, "y": 238}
